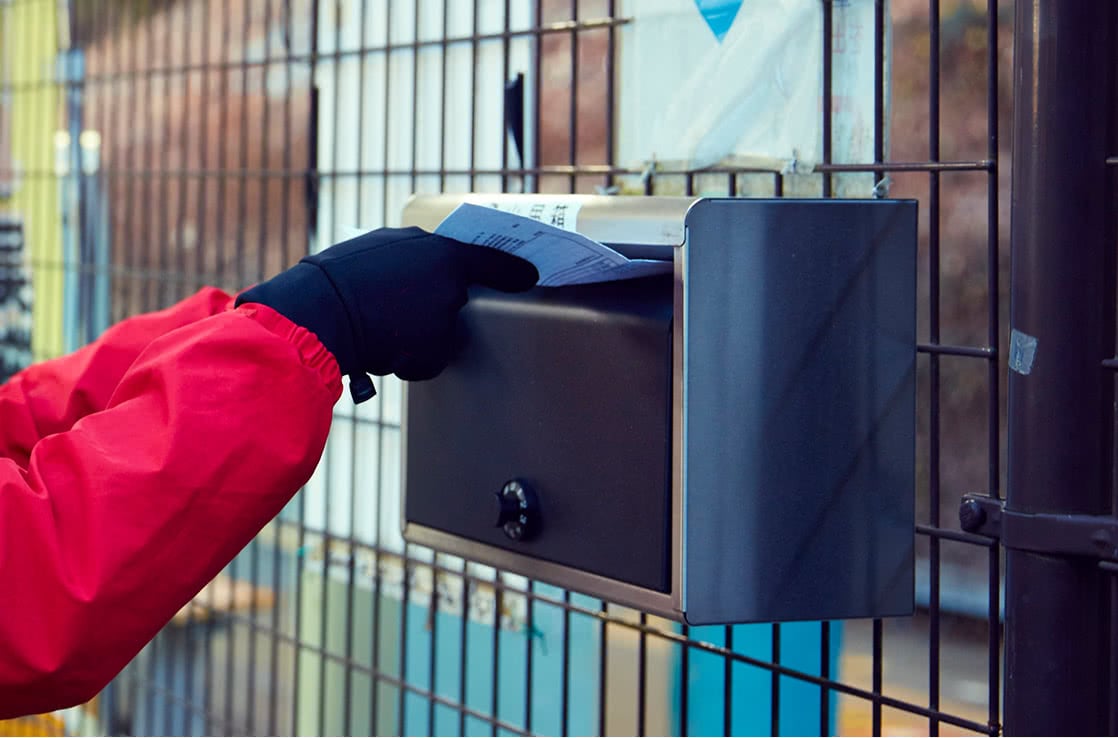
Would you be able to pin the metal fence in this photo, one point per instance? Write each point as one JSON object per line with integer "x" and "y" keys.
{"x": 200, "y": 142}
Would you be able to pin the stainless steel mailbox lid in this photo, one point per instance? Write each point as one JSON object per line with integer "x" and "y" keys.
{"x": 638, "y": 227}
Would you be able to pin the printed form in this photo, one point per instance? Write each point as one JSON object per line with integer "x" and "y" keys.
{"x": 533, "y": 232}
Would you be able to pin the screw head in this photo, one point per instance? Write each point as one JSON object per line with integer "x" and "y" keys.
{"x": 971, "y": 516}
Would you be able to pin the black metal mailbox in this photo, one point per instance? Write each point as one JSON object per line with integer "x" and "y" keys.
{"x": 733, "y": 442}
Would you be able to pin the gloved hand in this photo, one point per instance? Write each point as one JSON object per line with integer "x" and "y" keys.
{"x": 386, "y": 302}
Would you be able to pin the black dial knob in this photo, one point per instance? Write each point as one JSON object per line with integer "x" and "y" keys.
{"x": 518, "y": 511}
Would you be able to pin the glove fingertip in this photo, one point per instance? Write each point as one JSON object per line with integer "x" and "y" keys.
{"x": 500, "y": 270}
{"x": 522, "y": 275}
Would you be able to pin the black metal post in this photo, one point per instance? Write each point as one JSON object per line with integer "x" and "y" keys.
{"x": 1061, "y": 400}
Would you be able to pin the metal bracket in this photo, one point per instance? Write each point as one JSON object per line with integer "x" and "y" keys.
{"x": 1094, "y": 536}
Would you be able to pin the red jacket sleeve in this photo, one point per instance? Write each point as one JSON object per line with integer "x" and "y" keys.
{"x": 50, "y": 396}
{"x": 115, "y": 522}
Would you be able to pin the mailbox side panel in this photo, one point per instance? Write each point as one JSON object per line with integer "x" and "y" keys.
{"x": 799, "y": 410}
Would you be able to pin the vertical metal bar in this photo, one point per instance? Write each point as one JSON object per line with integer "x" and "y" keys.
{"x": 572, "y": 122}
{"x": 203, "y": 150}
{"x": 993, "y": 649}
{"x": 825, "y": 672}
{"x": 530, "y": 629}
{"x": 405, "y": 598}
{"x": 642, "y": 678}
{"x": 351, "y": 567}
{"x": 684, "y": 681}
{"x": 473, "y": 101}
{"x": 415, "y": 98}
{"x": 934, "y": 373}
{"x": 110, "y": 150}
{"x": 565, "y": 686}
{"x": 276, "y": 631}
{"x": 463, "y": 636}
{"x": 432, "y": 657}
{"x": 243, "y": 179}
{"x": 265, "y": 70}
{"x": 495, "y": 694}
{"x": 828, "y": 81}
{"x": 288, "y": 138}
{"x": 149, "y": 162}
{"x": 162, "y": 176}
{"x": 222, "y": 144}
{"x": 993, "y": 375}
{"x": 537, "y": 100}
{"x": 443, "y": 130}
{"x": 610, "y": 101}
{"x": 602, "y": 667}
{"x": 879, "y": 81}
{"x": 506, "y": 73}
{"x": 374, "y": 657}
{"x": 774, "y": 687}
{"x": 992, "y": 237}
{"x": 878, "y": 669}
{"x": 185, "y": 162}
{"x": 132, "y": 238}
{"x": 728, "y": 679}
{"x": 1061, "y": 407}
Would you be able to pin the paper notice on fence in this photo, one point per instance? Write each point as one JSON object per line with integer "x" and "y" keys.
{"x": 562, "y": 257}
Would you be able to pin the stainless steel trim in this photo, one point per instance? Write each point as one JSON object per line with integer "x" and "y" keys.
{"x": 678, "y": 351}
{"x": 679, "y": 416}
{"x": 651, "y": 601}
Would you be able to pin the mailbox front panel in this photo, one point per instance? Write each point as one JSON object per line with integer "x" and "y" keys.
{"x": 568, "y": 391}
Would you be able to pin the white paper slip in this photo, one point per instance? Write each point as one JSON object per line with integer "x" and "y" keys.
{"x": 561, "y": 257}
{"x": 556, "y": 210}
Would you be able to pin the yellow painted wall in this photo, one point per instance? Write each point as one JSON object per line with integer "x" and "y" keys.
{"x": 30, "y": 40}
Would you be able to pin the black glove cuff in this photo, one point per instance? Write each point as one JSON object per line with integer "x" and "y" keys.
{"x": 304, "y": 295}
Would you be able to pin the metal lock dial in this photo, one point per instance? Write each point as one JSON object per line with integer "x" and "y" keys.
{"x": 518, "y": 511}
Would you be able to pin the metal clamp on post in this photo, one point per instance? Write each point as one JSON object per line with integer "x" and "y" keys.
{"x": 1094, "y": 536}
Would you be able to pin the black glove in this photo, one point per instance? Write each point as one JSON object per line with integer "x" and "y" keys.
{"x": 386, "y": 302}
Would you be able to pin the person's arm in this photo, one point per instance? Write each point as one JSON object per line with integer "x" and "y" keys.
{"x": 49, "y": 397}
{"x": 117, "y": 522}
